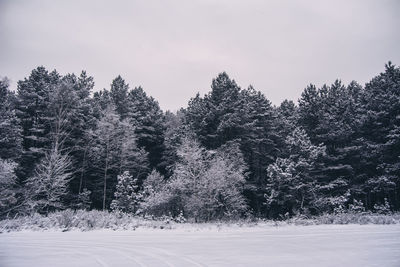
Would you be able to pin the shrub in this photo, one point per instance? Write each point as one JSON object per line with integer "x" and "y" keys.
{"x": 382, "y": 208}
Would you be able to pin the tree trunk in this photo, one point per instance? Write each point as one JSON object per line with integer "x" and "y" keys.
{"x": 82, "y": 172}
{"x": 105, "y": 179}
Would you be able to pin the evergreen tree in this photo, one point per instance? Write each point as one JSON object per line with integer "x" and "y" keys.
{"x": 213, "y": 118}
{"x": 246, "y": 117}
{"x": 127, "y": 196}
{"x": 70, "y": 117}
{"x": 81, "y": 121}
{"x": 378, "y": 176}
{"x": 175, "y": 130}
{"x": 338, "y": 148}
{"x": 330, "y": 116}
{"x": 286, "y": 120}
{"x": 10, "y": 130}
{"x": 292, "y": 184}
{"x": 32, "y": 109}
{"x": 119, "y": 92}
{"x": 147, "y": 118}
{"x": 258, "y": 140}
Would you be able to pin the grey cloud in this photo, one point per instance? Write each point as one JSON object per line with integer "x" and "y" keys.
{"x": 174, "y": 48}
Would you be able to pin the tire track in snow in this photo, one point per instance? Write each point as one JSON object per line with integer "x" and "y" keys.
{"x": 144, "y": 250}
{"x": 104, "y": 246}
{"x": 152, "y": 248}
{"x": 126, "y": 247}
{"x": 188, "y": 259}
{"x": 74, "y": 251}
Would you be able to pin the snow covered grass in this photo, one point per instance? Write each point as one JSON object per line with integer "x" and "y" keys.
{"x": 82, "y": 220}
{"x": 289, "y": 245}
{"x": 348, "y": 218}
{"x": 94, "y": 220}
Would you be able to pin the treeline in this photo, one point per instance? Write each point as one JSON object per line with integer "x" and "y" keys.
{"x": 230, "y": 153}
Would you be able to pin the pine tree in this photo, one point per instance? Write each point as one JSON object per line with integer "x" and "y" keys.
{"x": 246, "y": 117}
{"x": 258, "y": 141}
{"x": 175, "y": 130}
{"x": 10, "y": 130}
{"x": 213, "y": 118}
{"x": 147, "y": 118}
{"x": 292, "y": 183}
{"x": 81, "y": 121}
{"x": 330, "y": 116}
{"x": 32, "y": 109}
{"x": 378, "y": 176}
{"x": 119, "y": 92}
{"x": 286, "y": 120}
{"x": 127, "y": 197}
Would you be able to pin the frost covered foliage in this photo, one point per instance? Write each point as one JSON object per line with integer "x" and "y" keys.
{"x": 83, "y": 201}
{"x": 126, "y": 196}
{"x": 291, "y": 188}
{"x": 356, "y": 207}
{"x": 7, "y": 185}
{"x": 49, "y": 185}
{"x": 336, "y": 151}
{"x": 205, "y": 185}
{"x": 156, "y": 195}
{"x": 347, "y": 218}
{"x": 82, "y": 220}
{"x": 382, "y": 208}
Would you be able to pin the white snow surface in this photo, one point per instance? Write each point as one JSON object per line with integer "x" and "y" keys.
{"x": 322, "y": 245}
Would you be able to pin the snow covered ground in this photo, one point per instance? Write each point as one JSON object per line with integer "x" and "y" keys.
{"x": 324, "y": 245}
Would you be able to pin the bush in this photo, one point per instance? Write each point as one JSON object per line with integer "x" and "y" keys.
{"x": 357, "y": 206}
{"x": 205, "y": 185}
{"x": 94, "y": 220}
{"x": 348, "y": 218}
{"x": 383, "y": 208}
{"x": 82, "y": 220}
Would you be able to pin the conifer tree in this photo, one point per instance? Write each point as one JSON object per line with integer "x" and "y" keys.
{"x": 10, "y": 129}
{"x": 378, "y": 176}
{"x": 32, "y": 109}
{"x": 292, "y": 183}
{"x": 127, "y": 197}
{"x": 246, "y": 117}
{"x": 119, "y": 92}
{"x": 147, "y": 118}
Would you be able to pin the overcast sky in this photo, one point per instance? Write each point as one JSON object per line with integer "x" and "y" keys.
{"x": 173, "y": 49}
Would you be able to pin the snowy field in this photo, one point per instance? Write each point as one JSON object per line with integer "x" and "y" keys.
{"x": 324, "y": 245}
